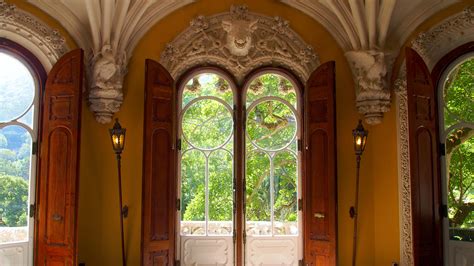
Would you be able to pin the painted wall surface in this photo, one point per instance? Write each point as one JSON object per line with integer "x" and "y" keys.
{"x": 99, "y": 231}
{"x": 99, "y": 220}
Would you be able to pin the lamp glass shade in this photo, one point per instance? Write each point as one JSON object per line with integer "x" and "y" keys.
{"x": 360, "y": 138}
{"x": 117, "y": 135}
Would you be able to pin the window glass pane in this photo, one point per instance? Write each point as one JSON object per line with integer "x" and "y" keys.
{"x": 271, "y": 85}
{"x": 271, "y": 161}
{"x": 207, "y": 84}
{"x": 271, "y": 125}
{"x": 207, "y": 124}
{"x": 285, "y": 199}
{"x": 458, "y": 111}
{"x": 258, "y": 201}
{"x": 15, "y": 160}
{"x": 220, "y": 193}
{"x": 207, "y": 127}
{"x": 17, "y": 88}
{"x": 460, "y": 151}
{"x": 27, "y": 118}
{"x": 193, "y": 165}
{"x": 459, "y": 94}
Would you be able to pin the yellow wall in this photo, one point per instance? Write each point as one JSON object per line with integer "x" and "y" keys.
{"x": 99, "y": 237}
{"x": 99, "y": 224}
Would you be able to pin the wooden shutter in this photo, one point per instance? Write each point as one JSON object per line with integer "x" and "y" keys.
{"x": 424, "y": 162}
{"x": 58, "y": 182}
{"x": 159, "y": 167}
{"x": 319, "y": 199}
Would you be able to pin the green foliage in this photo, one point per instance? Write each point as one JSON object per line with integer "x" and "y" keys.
{"x": 208, "y": 124}
{"x": 459, "y": 94}
{"x": 13, "y": 201}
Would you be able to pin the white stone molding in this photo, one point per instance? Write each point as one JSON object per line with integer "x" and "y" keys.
{"x": 369, "y": 69}
{"x": 239, "y": 41}
{"x": 439, "y": 40}
{"x": 23, "y": 28}
{"x": 108, "y": 31}
{"x": 404, "y": 179}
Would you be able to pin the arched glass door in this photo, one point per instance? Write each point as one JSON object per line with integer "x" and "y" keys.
{"x": 456, "y": 112}
{"x": 272, "y": 183}
{"x": 270, "y": 179}
{"x": 206, "y": 161}
{"x": 18, "y": 135}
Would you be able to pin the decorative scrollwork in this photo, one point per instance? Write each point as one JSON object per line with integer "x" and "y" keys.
{"x": 239, "y": 41}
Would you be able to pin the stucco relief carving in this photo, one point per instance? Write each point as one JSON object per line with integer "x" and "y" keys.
{"x": 239, "y": 41}
{"x": 404, "y": 182}
{"x": 369, "y": 68}
{"x": 47, "y": 44}
{"x": 454, "y": 31}
{"x": 107, "y": 69}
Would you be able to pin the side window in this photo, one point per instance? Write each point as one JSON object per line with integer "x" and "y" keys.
{"x": 457, "y": 132}
{"x": 18, "y": 132}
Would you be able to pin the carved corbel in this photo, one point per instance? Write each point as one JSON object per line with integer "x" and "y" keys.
{"x": 369, "y": 69}
{"x": 106, "y": 72}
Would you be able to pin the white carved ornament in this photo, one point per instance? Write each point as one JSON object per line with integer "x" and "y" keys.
{"x": 451, "y": 33}
{"x": 404, "y": 181}
{"x": 369, "y": 69}
{"x": 21, "y": 27}
{"x": 239, "y": 42}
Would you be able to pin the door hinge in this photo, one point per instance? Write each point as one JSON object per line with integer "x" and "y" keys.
{"x": 300, "y": 263}
{"x": 245, "y": 237}
{"x": 32, "y": 210}
{"x": 34, "y": 148}
{"x": 177, "y": 263}
{"x": 442, "y": 149}
{"x": 443, "y": 210}
{"x": 178, "y": 144}
{"x": 178, "y": 204}
{"x": 300, "y": 145}
{"x": 300, "y": 204}
{"x": 234, "y": 236}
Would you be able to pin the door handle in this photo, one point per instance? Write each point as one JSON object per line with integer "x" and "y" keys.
{"x": 57, "y": 217}
{"x": 319, "y": 215}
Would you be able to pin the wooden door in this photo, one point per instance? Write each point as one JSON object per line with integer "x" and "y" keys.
{"x": 424, "y": 162}
{"x": 319, "y": 199}
{"x": 58, "y": 182}
{"x": 159, "y": 167}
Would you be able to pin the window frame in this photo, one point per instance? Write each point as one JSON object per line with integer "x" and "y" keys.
{"x": 39, "y": 75}
{"x": 239, "y": 90}
{"x": 439, "y": 74}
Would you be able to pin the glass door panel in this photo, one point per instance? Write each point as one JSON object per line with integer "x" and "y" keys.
{"x": 206, "y": 161}
{"x": 457, "y": 133}
{"x": 18, "y": 132}
{"x": 271, "y": 178}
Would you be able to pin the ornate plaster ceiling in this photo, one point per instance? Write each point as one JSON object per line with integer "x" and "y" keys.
{"x": 398, "y": 24}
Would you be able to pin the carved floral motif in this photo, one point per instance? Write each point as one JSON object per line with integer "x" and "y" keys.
{"x": 17, "y": 22}
{"x": 444, "y": 37}
{"x": 404, "y": 186}
{"x": 239, "y": 41}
